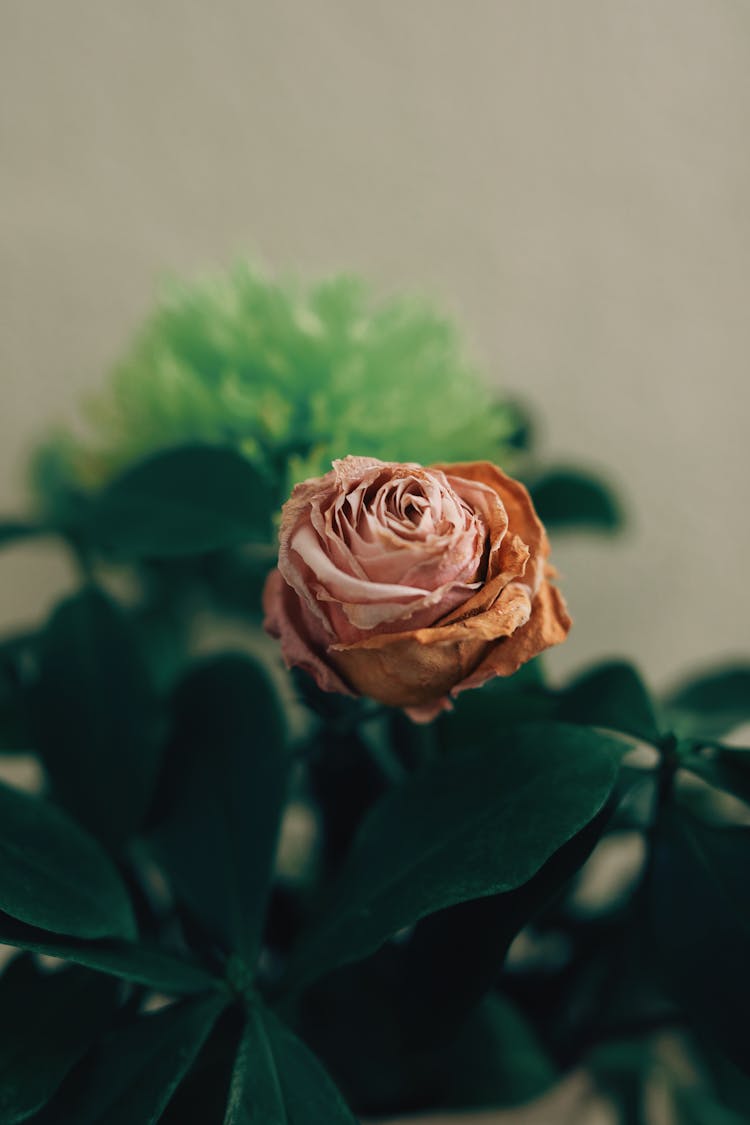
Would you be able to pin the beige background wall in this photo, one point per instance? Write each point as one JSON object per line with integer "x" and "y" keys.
{"x": 571, "y": 177}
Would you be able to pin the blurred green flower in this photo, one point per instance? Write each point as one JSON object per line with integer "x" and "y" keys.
{"x": 292, "y": 377}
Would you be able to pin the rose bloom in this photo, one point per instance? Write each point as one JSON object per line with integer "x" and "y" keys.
{"x": 410, "y": 584}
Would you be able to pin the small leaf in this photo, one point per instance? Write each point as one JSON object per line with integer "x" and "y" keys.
{"x": 713, "y": 703}
{"x": 277, "y": 1081}
{"x": 725, "y": 767}
{"x": 496, "y": 1060}
{"x": 155, "y": 968}
{"x": 701, "y": 924}
{"x": 49, "y": 1021}
{"x": 184, "y": 501}
{"x": 613, "y": 696}
{"x": 568, "y": 498}
{"x": 217, "y": 835}
{"x": 472, "y": 824}
{"x": 54, "y": 876}
{"x": 14, "y": 531}
{"x": 94, "y": 716}
{"x": 130, "y": 1077}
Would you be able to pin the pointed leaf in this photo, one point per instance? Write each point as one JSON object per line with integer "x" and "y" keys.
{"x": 469, "y": 825}
{"x": 184, "y": 501}
{"x": 155, "y": 968}
{"x": 94, "y": 716}
{"x": 54, "y": 876}
{"x": 216, "y": 837}
{"x": 48, "y": 1022}
{"x": 278, "y": 1081}
{"x": 614, "y": 696}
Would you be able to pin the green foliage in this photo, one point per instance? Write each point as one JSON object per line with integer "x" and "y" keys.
{"x": 289, "y": 376}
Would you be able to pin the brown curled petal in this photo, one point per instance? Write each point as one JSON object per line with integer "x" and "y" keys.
{"x": 302, "y": 642}
{"x": 406, "y": 673}
{"x": 522, "y": 517}
{"x": 548, "y": 625}
{"x": 416, "y": 668}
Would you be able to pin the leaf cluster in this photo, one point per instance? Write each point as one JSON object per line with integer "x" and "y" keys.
{"x": 267, "y": 905}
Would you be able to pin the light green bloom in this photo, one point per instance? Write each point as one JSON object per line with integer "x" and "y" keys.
{"x": 292, "y": 377}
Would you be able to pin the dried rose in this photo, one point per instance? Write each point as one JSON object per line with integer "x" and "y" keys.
{"x": 409, "y": 584}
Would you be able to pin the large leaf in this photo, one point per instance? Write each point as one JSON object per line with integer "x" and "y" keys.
{"x": 54, "y": 876}
{"x": 216, "y": 836}
{"x": 94, "y": 716}
{"x": 277, "y": 1081}
{"x": 469, "y": 825}
{"x": 455, "y": 955}
{"x": 713, "y": 702}
{"x": 613, "y": 696}
{"x": 48, "y": 1022}
{"x": 155, "y": 968}
{"x": 189, "y": 500}
{"x": 569, "y": 498}
{"x": 701, "y": 924}
{"x": 131, "y": 1076}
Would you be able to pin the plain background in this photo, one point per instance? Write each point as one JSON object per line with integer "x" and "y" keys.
{"x": 571, "y": 179}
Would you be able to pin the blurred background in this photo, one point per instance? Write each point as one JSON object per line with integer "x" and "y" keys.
{"x": 570, "y": 181}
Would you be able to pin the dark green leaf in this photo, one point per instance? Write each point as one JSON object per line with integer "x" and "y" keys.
{"x": 454, "y": 956}
{"x": 216, "y": 836}
{"x": 478, "y": 716}
{"x": 465, "y": 826}
{"x": 725, "y": 767}
{"x": 701, "y": 924}
{"x": 54, "y": 876}
{"x": 277, "y": 1081}
{"x": 496, "y": 1060}
{"x": 698, "y": 1107}
{"x": 614, "y": 696}
{"x": 712, "y": 703}
{"x": 569, "y": 498}
{"x": 94, "y": 716}
{"x": 184, "y": 501}
{"x": 156, "y": 968}
{"x": 48, "y": 1022}
{"x": 130, "y": 1077}
{"x": 13, "y": 531}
